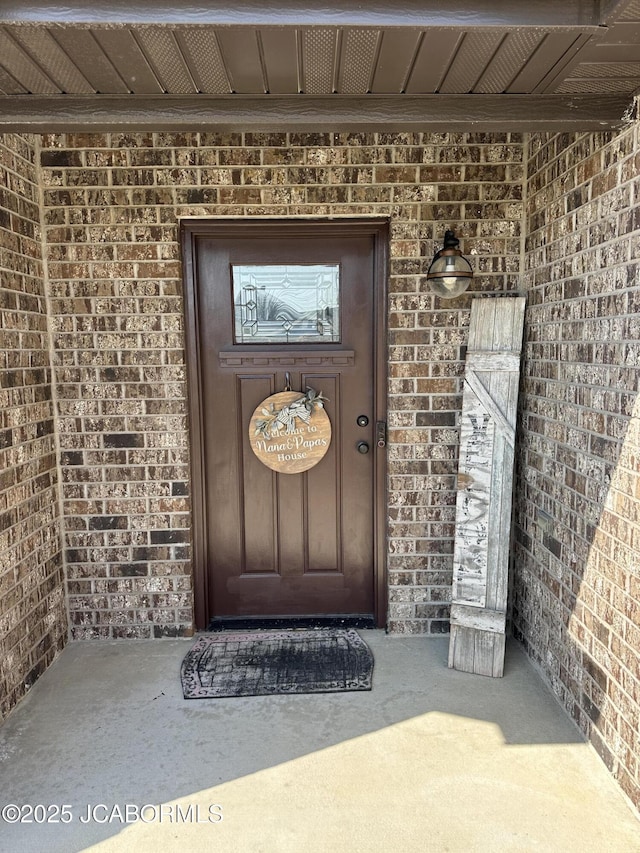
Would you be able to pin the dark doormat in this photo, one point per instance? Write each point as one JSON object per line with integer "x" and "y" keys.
{"x": 259, "y": 663}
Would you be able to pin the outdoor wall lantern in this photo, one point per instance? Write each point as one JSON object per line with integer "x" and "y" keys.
{"x": 449, "y": 274}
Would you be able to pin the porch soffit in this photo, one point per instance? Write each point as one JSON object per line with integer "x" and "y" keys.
{"x": 496, "y": 65}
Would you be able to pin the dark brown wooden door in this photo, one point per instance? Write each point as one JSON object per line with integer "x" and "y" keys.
{"x": 277, "y": 544}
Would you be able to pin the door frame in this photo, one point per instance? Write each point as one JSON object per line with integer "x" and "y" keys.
{"x": 193, "y": 229}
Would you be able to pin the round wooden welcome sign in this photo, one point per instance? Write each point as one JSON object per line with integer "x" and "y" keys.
{"x": 290, "y": 432}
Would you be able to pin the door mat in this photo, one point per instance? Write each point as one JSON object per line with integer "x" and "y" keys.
{"x": 261, "y": 663}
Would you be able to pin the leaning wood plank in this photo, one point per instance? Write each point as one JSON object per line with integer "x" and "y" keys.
{"x": 492, "y": 621}
{"x": 485, "y": 485}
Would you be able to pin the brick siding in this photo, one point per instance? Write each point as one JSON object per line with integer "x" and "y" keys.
{"x": 112, "y": 206}
{"x": 33, "y": 625}
{"x": 577, "y": 574}
{"x": 111, "y": 210}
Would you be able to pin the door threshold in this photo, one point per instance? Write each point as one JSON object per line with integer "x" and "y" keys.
{"x": 264, "y": 623}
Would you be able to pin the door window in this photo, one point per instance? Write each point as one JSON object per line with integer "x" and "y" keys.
{"x": 286, "y": 304}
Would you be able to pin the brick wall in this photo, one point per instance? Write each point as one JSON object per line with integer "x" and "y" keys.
{"x": 577, "y": 590}
{"x": 112, "y": 204}
{"x": 32, "y": 609}
{"x": 111, "y": 211}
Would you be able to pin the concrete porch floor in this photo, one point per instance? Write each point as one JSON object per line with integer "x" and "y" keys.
{"x": 429, "y": 760}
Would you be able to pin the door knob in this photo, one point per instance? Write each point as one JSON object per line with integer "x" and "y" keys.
{"x": 362, "y": 447}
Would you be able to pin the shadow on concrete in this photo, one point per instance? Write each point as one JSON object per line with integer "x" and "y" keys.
{"x": 107, "y": 726}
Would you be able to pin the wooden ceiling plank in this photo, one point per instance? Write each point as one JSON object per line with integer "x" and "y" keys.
{"x": 606, "y": 70}
{"x": 470, "y": 61}
{"x": 397, "y": 51}
{"x": 549, "y": 52}
{"x": 631, "y": 11}
{"x": 563, "y": 67}
{"x": 486, "y": 48}
{"x": 614, "y": 10}
{"x": 55, "y": 62}
{"x": 318, "y": 60}
{"x": 17, "y": 62}
{"x": 161, "y": 49}
{"x": 436, "y": 52}
{"x": 241, "y": 57}
{"x": 9, "y": 85}
{"x": 482, "y": 113}
{"x": 358, "y": 60}
{"x": 599, "y": 85}
{"x": 201, "y": 51}
{"x": 279, "y": 49}
{"x": 131, "y": 64}
{"x": 513, "y": 53}
{"x": 86, "y": 54}
{"x": 610, "y": 53}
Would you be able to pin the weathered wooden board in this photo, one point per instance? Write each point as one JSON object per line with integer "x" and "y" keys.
{"x": 485, "y": 485}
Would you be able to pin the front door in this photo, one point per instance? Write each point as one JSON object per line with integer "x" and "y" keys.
{"x": 274, "y": 306}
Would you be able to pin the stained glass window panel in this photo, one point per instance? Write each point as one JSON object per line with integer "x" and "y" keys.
{"x": 286, "y": 304}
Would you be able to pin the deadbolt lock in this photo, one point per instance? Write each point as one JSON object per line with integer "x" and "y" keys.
{"x": 362, "y": 420}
